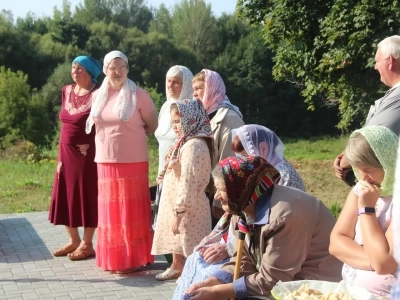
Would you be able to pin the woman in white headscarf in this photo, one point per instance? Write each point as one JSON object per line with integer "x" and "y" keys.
{"x": 178, "y": 86}
{"x": 257, "y": 140}
{"x": 124, "y": 115}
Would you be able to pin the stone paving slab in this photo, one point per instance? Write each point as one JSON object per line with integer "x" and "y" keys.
{"x": 28, "y": 270}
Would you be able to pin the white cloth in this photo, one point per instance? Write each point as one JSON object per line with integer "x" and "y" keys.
{"x": 164, "y": 133}
{"x": 125, "y": 103}
{"x": 252, "y": 136}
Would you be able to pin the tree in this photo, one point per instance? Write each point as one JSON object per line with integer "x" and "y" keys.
{"x": 194, "y": 26}
{"x": 246, "y": 69}
{"x": 14, "y": 106}
{"x": 162, "y": 22}
{"x": 326, "y": 47}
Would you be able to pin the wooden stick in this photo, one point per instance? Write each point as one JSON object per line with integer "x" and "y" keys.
{"x": 238, "y": 259}
{"x": 239, "y": 254}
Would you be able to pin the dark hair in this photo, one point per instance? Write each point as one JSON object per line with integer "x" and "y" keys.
{"x": 237, "y": 145}
{"x": 174, "y": 106}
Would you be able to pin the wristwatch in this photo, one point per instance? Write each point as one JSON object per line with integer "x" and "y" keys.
{"x": 366, "y": 210}
{"x": 177, "y": 213}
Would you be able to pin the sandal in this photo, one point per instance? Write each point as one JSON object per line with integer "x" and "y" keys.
{"x": 64, "y": 250}
{"x": 81, "y": 254}
{"x": 168, "y": 274}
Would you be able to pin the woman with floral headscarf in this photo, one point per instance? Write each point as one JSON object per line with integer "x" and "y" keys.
{"x": 287, "y": 232}
{"x": 216, "y": 248}
{"x": 209, "y": 87}
{"x": 362, "y": 236}
{"x": 74, "y": 195}
{"x": 184, "y": 213}
{"x": 124, "y": 115}
{"x": 178, "y": 86}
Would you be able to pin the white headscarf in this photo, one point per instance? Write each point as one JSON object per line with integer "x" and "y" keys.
{"x": 164, "y": 120}
{"x": 252, "y": 135}
{"x": 125, "y": 103}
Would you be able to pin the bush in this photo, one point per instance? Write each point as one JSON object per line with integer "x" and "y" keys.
{"x": 24, "y": 150}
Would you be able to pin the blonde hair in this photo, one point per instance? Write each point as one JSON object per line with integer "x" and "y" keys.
{"x": 201, "y": 76}
{"x": 359, "y": 152}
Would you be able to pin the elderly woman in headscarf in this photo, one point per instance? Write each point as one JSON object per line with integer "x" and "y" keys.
{"x": 216, "y": 248}
{"x": 124, "y": 115}
{"x": 178, "y": 86}
{"x": 209, "y": 87}
{"x": 362, "y": 236}
{"x": 287, "y": 233}
{"x": 257, "y": 140}
{"x": 184, "y": 214}
{"x": 74, "y": 196}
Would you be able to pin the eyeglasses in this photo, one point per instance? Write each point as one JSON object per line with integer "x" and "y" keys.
{"x": 119, "y": 69}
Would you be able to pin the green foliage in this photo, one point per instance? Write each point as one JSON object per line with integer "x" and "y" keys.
{"x": 23, "y": 150}
{"x": 326, "y": 47}
{"x": 246, "y": 68}
{"x": 195, "y": 27}
{"x": 335, "y": 209}
{"x": 14, "y": 106}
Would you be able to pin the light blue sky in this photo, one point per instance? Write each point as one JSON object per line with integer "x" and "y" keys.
{"x": 20, "y": 8}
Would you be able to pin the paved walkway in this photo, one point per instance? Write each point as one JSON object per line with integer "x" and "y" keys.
{"x": 28, "y": 270}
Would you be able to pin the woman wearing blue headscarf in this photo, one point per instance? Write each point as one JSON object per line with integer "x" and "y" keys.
{"x": 74, "y": 196}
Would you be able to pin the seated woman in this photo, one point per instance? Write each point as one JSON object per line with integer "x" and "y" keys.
{"x": 216, "y": 248}
{"x": 362, "y": 236}
{"x": 289, "y": 229}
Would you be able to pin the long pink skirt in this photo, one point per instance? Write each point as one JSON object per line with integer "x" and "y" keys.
{"x": 124, "y": 235}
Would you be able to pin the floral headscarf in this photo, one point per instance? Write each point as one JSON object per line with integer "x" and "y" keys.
{"x": 194, "y": 123}
{"x": 252, "y": 135}
{"x": 384, "y": 143}
{"x": 125, "y": 103}
{"x": 245, "y": 179}
{"x": 214, "y": 93}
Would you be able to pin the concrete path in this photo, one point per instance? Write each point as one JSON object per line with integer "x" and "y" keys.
{"x": 28, "y": 270}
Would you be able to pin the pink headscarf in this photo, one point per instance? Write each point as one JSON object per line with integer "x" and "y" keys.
{"x": 214, "y": 93}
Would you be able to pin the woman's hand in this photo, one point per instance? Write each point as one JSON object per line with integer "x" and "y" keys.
{"x": 208, "y": 293}
{"x": 175, "y": 225}
{"x": 214, "y": 254}
{"x": 368, "y": 195}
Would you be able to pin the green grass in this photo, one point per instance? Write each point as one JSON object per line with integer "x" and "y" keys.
{"x": 25, "y": 186}
{"x": 314, "y": 149}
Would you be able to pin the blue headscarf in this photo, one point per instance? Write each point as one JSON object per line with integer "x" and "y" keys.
{"x": 91, "y": 65}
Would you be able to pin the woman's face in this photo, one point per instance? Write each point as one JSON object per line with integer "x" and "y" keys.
{"x": 174, "y": 87}
{"x": 80, "y": 75}
{"x": 198, "y": 89}
{"x": 371, "y": 175}
{"x": 176, "y": 122}
{"x": 117, "y": 72}
{"x": 221, "y": 194}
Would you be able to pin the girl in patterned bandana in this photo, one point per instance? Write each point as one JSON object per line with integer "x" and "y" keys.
{"x": 184, "y": 213}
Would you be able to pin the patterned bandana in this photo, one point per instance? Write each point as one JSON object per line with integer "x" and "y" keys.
{"x": 384, "y": 143}
{"x": 214, "y": 93}
{"x": 194, "y": 124}
{"x": 246, "y": 178}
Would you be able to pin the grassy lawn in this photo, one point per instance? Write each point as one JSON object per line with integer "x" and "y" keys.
{"x": 26, "y": 186}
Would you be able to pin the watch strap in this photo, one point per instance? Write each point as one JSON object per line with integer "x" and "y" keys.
{"x": 366, "y": 210}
